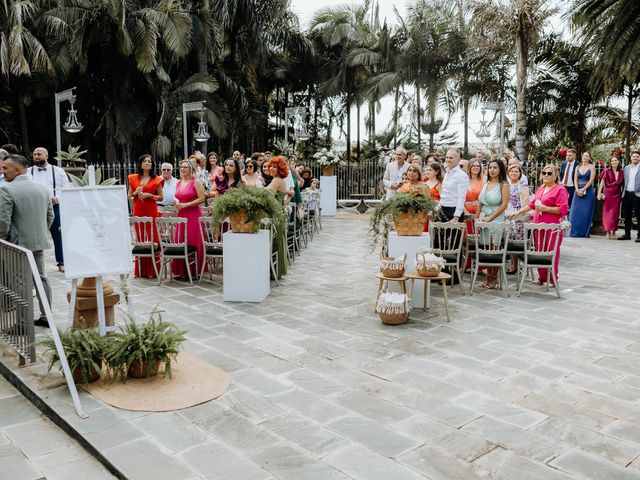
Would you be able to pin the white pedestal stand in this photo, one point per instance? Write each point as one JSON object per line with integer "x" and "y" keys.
{"x": 246, "y": 258}
{"x": 398, "y": 246}
{"x": 329, "y": 195}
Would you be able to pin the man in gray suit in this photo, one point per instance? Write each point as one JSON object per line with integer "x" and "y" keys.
{"x": 631, "y": 196}
{"x": 26, "y": 214}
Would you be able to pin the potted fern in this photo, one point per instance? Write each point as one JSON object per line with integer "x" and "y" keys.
{"x": 246, "y": 207}
{"x": 408, "y": 210}
{"x": 84, "y": 348}
{"x": 137, "y": 350}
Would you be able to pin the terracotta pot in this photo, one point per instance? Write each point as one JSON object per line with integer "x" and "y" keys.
{"x": 409, "y": 224}
{"x": 329, "y": 170}
{"x": 240, "y": 222}
{"x": 138, "y": 369}
{"x": 76, "y": 373}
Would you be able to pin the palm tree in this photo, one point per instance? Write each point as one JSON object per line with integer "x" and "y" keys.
{"x": 523, "y": 20}
{"x": 21, "y": 52}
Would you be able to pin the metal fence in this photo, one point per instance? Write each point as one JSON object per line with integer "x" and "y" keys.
{"x": 16, "y": 301}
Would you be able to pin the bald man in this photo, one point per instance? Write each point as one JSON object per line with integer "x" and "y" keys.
{"x": 53, "y": 178}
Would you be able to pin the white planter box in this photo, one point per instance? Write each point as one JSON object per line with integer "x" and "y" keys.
{"x": 329, "y": 195}
{"x": 246, "y": 258}
{"x": 398, "y": 246}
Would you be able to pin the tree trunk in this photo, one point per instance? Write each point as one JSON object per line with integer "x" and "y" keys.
{"x": 372, "y": 116}
{"x": 522, "y": 56}
{"x": 629, "y": 118}
{"x": 348, "y": 132}
{"x": 203, "y": 48}
{"x": 465, "y": 109}
{"x": 358, "y": 131}
{"x": 395, "y": 117}
{"x": 110, "y": 132}
{"x": 24, "y": 125}
{"x": 432, "y": 119}
{"x": 418, "y": 116}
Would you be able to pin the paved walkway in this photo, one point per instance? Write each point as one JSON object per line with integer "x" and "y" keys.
{"x": 512, "y": 388}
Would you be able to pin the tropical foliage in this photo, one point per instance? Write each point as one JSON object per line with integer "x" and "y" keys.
{"x": 135, "y": 63}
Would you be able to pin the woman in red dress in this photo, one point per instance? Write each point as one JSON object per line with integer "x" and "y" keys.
{"x": 433, "y": 180}
{"x": 190, "y": 195}
{"x": 473, "y": 192}
{"x": 145, "y": 188}
{"x": 610, "y": 190}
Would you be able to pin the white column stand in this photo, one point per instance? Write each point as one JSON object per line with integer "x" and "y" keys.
{"x": 246, "y": 259}
{"x": 328, "y": 195}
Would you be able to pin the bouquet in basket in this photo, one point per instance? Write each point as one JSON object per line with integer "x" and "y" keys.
{"x": 326, "y": 157}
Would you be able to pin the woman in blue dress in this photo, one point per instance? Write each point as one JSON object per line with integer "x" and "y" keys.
{"x": 584, "y": 198}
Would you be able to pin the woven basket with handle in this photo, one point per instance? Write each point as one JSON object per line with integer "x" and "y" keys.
{"x": 392, "y": 267}
{"x": 427, "y": 268}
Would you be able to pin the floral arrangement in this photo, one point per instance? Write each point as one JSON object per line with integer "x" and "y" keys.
{"x": 326, "y": 157}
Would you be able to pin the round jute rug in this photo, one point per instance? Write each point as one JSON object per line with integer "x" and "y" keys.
{"x": 194, "y": 381}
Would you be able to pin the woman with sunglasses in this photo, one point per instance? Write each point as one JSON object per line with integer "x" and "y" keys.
{"x": 252, "y": 177}
{"x": 145, "y": 189}
{"x": 551, "y": 204}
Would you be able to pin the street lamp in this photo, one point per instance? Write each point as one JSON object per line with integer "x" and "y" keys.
{"x": 299, "y": 126}
{"x": 201, "y": 135}
{"x": 498, "y": 107}
{"x": 72, "y": 125}
{"x": 484, "y": 130}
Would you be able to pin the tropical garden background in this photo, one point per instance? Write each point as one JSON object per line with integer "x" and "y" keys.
{"x": 567, "y": 72}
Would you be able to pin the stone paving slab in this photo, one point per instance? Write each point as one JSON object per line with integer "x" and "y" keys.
{"x": 512, "y": 388}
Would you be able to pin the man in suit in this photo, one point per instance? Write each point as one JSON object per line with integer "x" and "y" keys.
{"x": 566, "y": 173}
{"x": 631, "y": 196}
{"x": 26, "y": 214}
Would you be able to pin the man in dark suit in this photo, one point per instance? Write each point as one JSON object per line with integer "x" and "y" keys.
{"x": 566, "y": 173}
{"x": 26, "y": 214}
{"x": 631, "y": 196}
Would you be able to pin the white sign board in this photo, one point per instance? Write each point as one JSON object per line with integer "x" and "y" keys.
{"x": 95, "y": 231}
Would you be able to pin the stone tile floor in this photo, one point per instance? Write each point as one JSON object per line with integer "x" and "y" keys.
{"x": 512, "y": 388}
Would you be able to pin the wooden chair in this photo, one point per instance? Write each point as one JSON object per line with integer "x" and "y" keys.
{"x": 541, "y": 242}
{"x": 143, "y": 243}
{"x": 491, "y": 244}
{"x": 174, "y": 246}
{"x": 212, "y": 244}
{"x": 448, "y": 239}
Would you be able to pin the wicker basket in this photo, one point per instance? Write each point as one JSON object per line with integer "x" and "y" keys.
{"x": 393, "y": 313}
{"x": 240, "y": 222}
{"x": 428, "y": 265}
{"x": 409, "y": 224}
{"x": 391, "y": 267}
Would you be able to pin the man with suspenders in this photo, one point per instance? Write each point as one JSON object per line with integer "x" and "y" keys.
{"x": 53, "y": 178}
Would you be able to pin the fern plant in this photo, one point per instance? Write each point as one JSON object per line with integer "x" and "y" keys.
{"x": 84, "y": 348}
{"x": 259, "y": 203}
{"x": 149, "y": 342}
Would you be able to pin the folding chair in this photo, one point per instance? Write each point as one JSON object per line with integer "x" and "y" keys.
{"x": 447, "y": 240}
{"x": 174, "y": 246}
{"x": 541, "y": 243}
{"x": 143, "y": 243}
{"x": 212, "y": 243}
{"x": 491, "y": 243}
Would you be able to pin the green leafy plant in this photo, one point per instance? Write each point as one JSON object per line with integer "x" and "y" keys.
{"x": 259, "y": 203}
{"x": 283, "y": 147}
{"x": 84, "y": 180}
{"x": 72, "y": 156}
{"x": 149, "y": 342}
{"x": 401, "y": 203}
{"x": 84, "y": 348}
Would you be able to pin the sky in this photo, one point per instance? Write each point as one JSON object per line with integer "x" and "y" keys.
{"x": 305, "y": 10}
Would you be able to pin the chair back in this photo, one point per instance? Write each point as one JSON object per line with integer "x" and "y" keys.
{"x": 211, "y": 234}
{"x": 492, "y": 241}
{"x": 142, "y": 232}
{"x": 167, "y": 211}
{"x": 172, "y": 232}
{"x": 446, "y": 238}
{"x": 541, "y": 242}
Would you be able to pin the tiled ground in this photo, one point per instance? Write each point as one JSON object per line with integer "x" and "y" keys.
{"x": 513, "y": 388}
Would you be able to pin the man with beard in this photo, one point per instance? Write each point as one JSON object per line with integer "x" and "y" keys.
{"x": 53, "y": 178}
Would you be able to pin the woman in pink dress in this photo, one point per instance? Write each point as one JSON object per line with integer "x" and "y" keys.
{"x": 189, "y": 196}
{"x": 610, "y": 190}
{"x": 551, "y": 205}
